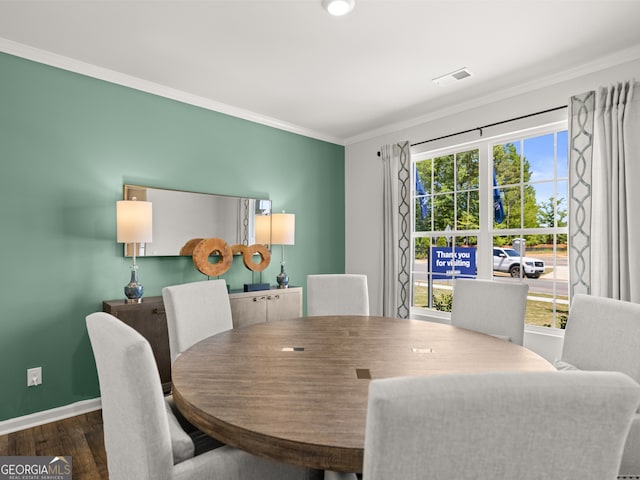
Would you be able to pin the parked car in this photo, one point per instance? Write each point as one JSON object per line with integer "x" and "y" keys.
{"x": 509, "y": 261}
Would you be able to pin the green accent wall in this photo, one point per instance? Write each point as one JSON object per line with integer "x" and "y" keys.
{"x": 67, "y": 145}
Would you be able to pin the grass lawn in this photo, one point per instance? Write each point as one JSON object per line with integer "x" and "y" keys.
{"x": 538, "y": 312}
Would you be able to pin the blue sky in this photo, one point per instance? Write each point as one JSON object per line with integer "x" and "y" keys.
{"x": 539, "y": 153}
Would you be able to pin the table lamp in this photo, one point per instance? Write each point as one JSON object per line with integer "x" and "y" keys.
{"x": 263, "y": 229}
{"x": 283, "y": 230}
{"x": 134, "y": 225}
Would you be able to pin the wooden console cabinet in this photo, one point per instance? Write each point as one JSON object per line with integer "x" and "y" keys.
{"x": 150, "y": 320}
{"x": 247, "y": 308}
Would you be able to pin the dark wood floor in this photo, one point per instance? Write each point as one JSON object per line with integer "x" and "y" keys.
{"x": 80, "y": 436}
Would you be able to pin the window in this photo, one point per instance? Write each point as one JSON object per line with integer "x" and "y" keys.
{"x": 494, "y": 208}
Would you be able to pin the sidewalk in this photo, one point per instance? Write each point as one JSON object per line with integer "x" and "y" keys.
{"x": 560, "y": 272}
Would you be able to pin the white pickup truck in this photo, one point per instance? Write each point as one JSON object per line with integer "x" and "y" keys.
{"x": 509, "y": 261}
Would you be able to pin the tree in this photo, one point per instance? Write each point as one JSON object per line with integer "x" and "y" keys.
{"x": 519, "y": 201}
{"x": 548, "y": 216}
{"x": 451, "y": 184}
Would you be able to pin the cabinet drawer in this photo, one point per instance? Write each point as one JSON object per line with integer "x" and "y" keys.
{"x": 248, "y": 308}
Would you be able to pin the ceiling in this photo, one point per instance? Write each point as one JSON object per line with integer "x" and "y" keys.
{"x": 289, "y": 64}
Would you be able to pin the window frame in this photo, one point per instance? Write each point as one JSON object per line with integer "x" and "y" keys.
{"x": 486, "y": 230}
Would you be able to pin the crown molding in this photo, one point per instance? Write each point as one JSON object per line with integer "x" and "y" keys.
{"x": 112, "y": 76}
{"x": 72, "y": 65}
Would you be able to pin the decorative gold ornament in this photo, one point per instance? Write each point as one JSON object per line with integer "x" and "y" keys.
{"x": 210, "y": 246}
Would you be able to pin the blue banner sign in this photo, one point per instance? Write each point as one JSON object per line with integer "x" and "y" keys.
{"x": 445, "y": 266}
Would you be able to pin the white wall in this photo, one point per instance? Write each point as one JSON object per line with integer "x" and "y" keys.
{"x": 363, "y": 168}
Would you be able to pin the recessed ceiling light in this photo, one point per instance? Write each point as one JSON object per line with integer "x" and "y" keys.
{"x": 338, "y": 7}
{"x": 451, "y": 77}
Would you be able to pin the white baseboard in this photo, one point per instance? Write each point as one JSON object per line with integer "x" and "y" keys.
{"x": 48, "y": 416}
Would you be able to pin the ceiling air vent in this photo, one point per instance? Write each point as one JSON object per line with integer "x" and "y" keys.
{"x": 452, "y": 77}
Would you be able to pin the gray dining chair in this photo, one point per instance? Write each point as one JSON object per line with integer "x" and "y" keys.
{"x": 604, "y": 334}
{"x": 143, "y": 439}
{"x": 492, "y": 307}
{"x": 195, "y": 311}
{"x": 337, "y": 294}
{"x": 499, "y": 426}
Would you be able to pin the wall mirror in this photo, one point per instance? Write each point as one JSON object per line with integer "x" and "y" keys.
{"x": 181, "y": 218}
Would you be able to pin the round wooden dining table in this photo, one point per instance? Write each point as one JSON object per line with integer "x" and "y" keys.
{"x": 296, "y": 390}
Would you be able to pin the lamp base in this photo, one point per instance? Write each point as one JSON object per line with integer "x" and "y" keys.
{"x": 282, "y": 278}
{"x": 133, "y": 290}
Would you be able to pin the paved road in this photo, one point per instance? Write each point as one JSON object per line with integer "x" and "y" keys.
{"x": 556, "y": 281}
{"x": 557, "y": 278}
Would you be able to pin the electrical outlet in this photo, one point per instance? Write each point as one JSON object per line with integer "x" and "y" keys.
{"x": 34, "y": 376}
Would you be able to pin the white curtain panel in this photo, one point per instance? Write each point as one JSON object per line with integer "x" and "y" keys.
{"x": 611, "y": 194}
{"x": 615, "y": 222}
{"x": 396, "y": 295}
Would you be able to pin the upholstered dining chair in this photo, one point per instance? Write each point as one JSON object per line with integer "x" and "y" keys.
{"x": 499, "y": 426}
{"x": 491, "y": 307}
{"x": 604, "y": 334}
{"x": 195, "y": 311}
{"x": 143, "y": 439}
{"x": 337, "y": 294}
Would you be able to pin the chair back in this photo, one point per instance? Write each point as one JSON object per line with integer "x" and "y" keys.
{"x": 499, "y": 426}
{"x": 195, "y": 311}
{"x": 603, "y": 334}
{"x": 337, "y": 294}
{"x": 136, "y": 429}
{"x": 491, "y": 307}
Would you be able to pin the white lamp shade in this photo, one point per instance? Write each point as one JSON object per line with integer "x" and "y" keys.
{"x": 133, "y": 221}
{"x": 283, "y": 228}
{"x": 263, "y": 229}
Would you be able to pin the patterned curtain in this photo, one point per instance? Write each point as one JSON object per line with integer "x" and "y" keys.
{"x": 581, "y": 108}
{"x": 396, "y": 297}
{"x": 604, "y": 190}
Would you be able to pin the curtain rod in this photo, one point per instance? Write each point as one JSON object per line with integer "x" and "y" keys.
{"x": 488, "y": 125}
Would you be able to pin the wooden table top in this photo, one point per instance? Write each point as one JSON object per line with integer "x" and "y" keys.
{"x": 296, "y": 390}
